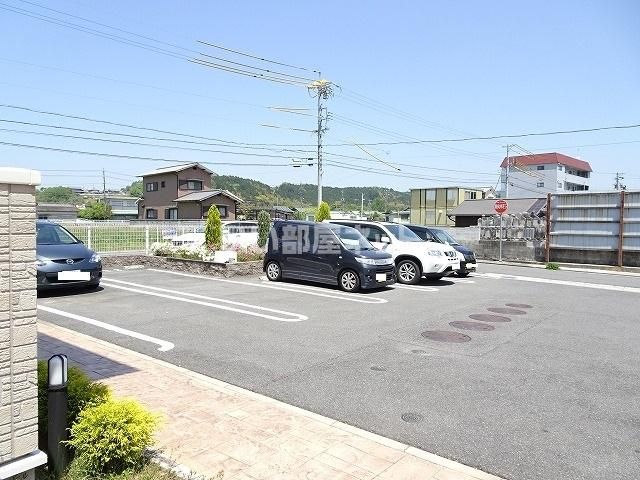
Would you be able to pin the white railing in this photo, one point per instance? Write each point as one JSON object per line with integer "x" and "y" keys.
{"x": 128, "y": 237}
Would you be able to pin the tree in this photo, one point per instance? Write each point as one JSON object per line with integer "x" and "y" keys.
{"x": 323, "y": 212}
{"x": 95, "y": 210}
{"x": 135, "y": 189}
{"x": 57, "y": 195}
{"x": 264, "y": 225}
{"x": 213, "y": 229}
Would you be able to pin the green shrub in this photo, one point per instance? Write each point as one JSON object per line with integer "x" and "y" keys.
{"x": 552, "y": 266}
{"x": 83, "y": 392}
{"x": 213, "y": 229}
{"x": 323, "y": 212}
{"x": 264, "y": 225}
{"x": 112, "y": 437}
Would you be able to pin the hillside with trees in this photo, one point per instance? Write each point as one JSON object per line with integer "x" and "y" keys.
{"x": 258, "y": 194}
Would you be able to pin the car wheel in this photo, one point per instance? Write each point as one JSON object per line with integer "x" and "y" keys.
{"x": 349, "y": 281}
{"x": 463, "y": 273}
{"x": 408, "y": 272}
{"x": 274, "y": 272}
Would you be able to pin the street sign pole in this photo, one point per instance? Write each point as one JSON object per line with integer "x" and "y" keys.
{"x": 500, "y": 242}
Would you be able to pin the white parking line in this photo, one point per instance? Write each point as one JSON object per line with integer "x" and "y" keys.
{"x": 164, "y": 346}
{"x": 307, "y": 290}
{"x": 598, "y": 286}
{"x": 295, "y": 317}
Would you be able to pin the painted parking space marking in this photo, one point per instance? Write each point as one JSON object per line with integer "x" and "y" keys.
{"x": 418, "y": 288}
{"x": 163, "y": 345}
{"x": 598, "y": 286}
{"x": 306, "y": 290}
{"x": 248, "y": 309}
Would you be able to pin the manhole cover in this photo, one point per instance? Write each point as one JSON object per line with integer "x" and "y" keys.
{"x": 419, "y": 352}
{"x": 486, "y": 317}
{"x": 507, "y": 311}
{"x": 411, "y": 417}
{"x": 519, "y": 305}
{"x": 446, "y": 336}
{"x": 477, "y": 326}
{"x": 378, "y": 369}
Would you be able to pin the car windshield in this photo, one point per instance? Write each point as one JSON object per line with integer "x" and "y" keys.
{"x": 52, "y": 234}
{"x": 445, "y": 237}
{"x": 403, "y": 234}
{"x": 352, "y": 239}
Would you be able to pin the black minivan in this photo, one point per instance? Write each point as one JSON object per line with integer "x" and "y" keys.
{"x": 326, "y": 253}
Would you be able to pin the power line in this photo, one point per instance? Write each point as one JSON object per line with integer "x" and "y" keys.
{"x": 135, "y": 157}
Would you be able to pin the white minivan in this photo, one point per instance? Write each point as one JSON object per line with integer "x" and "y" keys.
{"x": 414, "y": 258}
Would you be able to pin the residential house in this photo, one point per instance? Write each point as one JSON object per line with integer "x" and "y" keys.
{"x": 469, "y": 211}
{"x": 431, "y": 206}
{"x": 57, "y": 211}
{"x": 541, "y": 173}
{"x": 123, "y": 207}
{"x": 183, "y": 192}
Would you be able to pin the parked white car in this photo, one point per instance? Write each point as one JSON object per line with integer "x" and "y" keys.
{"x": 414, "y": 257}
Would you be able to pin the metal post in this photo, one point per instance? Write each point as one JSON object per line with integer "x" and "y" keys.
{"x": 57, "y": 408}
{"x": 146, "y": 239}
{"x": 547, "y": 245}
{"x": 319, "y": 146}
{"x": 621, "y": 231}
{"x": 500, "y": 242}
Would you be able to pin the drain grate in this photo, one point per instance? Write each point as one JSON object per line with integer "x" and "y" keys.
{"x": 507, "y": 311}
{"x": 377, "y": 368}
{"x": 519, "y": 305}
{"x": 411, "y": 417}
{"x": 475, "y": 326}
{"x": 486, "y": 317}
{"x": 446, "y": 336}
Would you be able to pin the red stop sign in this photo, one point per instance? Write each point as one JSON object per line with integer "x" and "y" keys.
{"x": 501, "y": 206}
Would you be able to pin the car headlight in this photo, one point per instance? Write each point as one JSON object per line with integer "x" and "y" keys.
{"x": 41, "y": 261}
{"x": 366, "y": 261}
{"x": 95, "y": 258}
{"x": 434, "y": 253}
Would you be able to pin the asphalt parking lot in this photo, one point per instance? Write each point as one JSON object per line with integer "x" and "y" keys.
{"x": 525, "y": 373}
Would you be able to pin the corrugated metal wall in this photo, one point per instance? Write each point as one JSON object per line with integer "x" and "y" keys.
{"x": 588, "y": 223}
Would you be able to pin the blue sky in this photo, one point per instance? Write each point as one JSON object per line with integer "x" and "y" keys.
{"x": 451, "y": 69}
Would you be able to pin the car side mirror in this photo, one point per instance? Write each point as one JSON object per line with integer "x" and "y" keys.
{"x": 385, "y": 239}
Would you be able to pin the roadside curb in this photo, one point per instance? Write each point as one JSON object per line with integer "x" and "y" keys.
{"x": 573, "y": 267}
{"x": 221, "y": 385}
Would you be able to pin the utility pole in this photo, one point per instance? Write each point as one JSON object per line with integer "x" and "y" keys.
{"x": 619, "y": 185}
{"x": 322, "y": 89}
{"x": 104, "y": 187}
{"x": 506, "y": 177}
{"x": 361, "y": 205}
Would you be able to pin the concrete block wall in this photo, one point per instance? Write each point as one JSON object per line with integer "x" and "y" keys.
{"x": 18, "y": 330}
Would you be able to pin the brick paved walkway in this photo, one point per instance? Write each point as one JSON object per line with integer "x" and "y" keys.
{"x": 211, "y": 425}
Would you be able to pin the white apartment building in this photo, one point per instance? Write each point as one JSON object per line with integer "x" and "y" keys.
{"x": 526, "y": 176}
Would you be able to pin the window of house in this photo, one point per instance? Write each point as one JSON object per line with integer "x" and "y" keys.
{"x": 469, "y": 195}
{"x": 223, "y": 211}
{"x": 152, "y": 187}
{"x": 559, "y": 184}
{"x": 540, "y": 184}
{"x": 540, "y": 167}
{"x": 151, "y": 213}
{"x": 171, "y": 213}
{"x": 560, "y": 167}
{"x": 190, "y": 184}
{"x": 162, "y": 184}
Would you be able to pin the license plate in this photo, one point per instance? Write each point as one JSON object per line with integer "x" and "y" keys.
{"x": 73, "y": 275}
{"x": 471, "y": 266}
{"x": 381, "y": 277}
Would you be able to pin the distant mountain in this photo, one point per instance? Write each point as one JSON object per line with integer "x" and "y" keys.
{"x": 258, "y": 194}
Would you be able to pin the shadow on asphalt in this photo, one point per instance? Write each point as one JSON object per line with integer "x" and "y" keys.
{"x": 67, "y": 291}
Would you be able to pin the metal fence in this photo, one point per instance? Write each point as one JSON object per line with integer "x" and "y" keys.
{"x": 128, "y": 237}
{"x": 595, "y": 228}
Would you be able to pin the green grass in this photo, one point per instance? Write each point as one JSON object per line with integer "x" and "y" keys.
{"x": 552, "y": 266}
{"x": 116, "y": 238}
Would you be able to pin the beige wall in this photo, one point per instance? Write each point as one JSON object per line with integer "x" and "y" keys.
{"x": 18, "y": 331}
{"x": 193, "y": 210}
{"x": 431, "y": 206}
